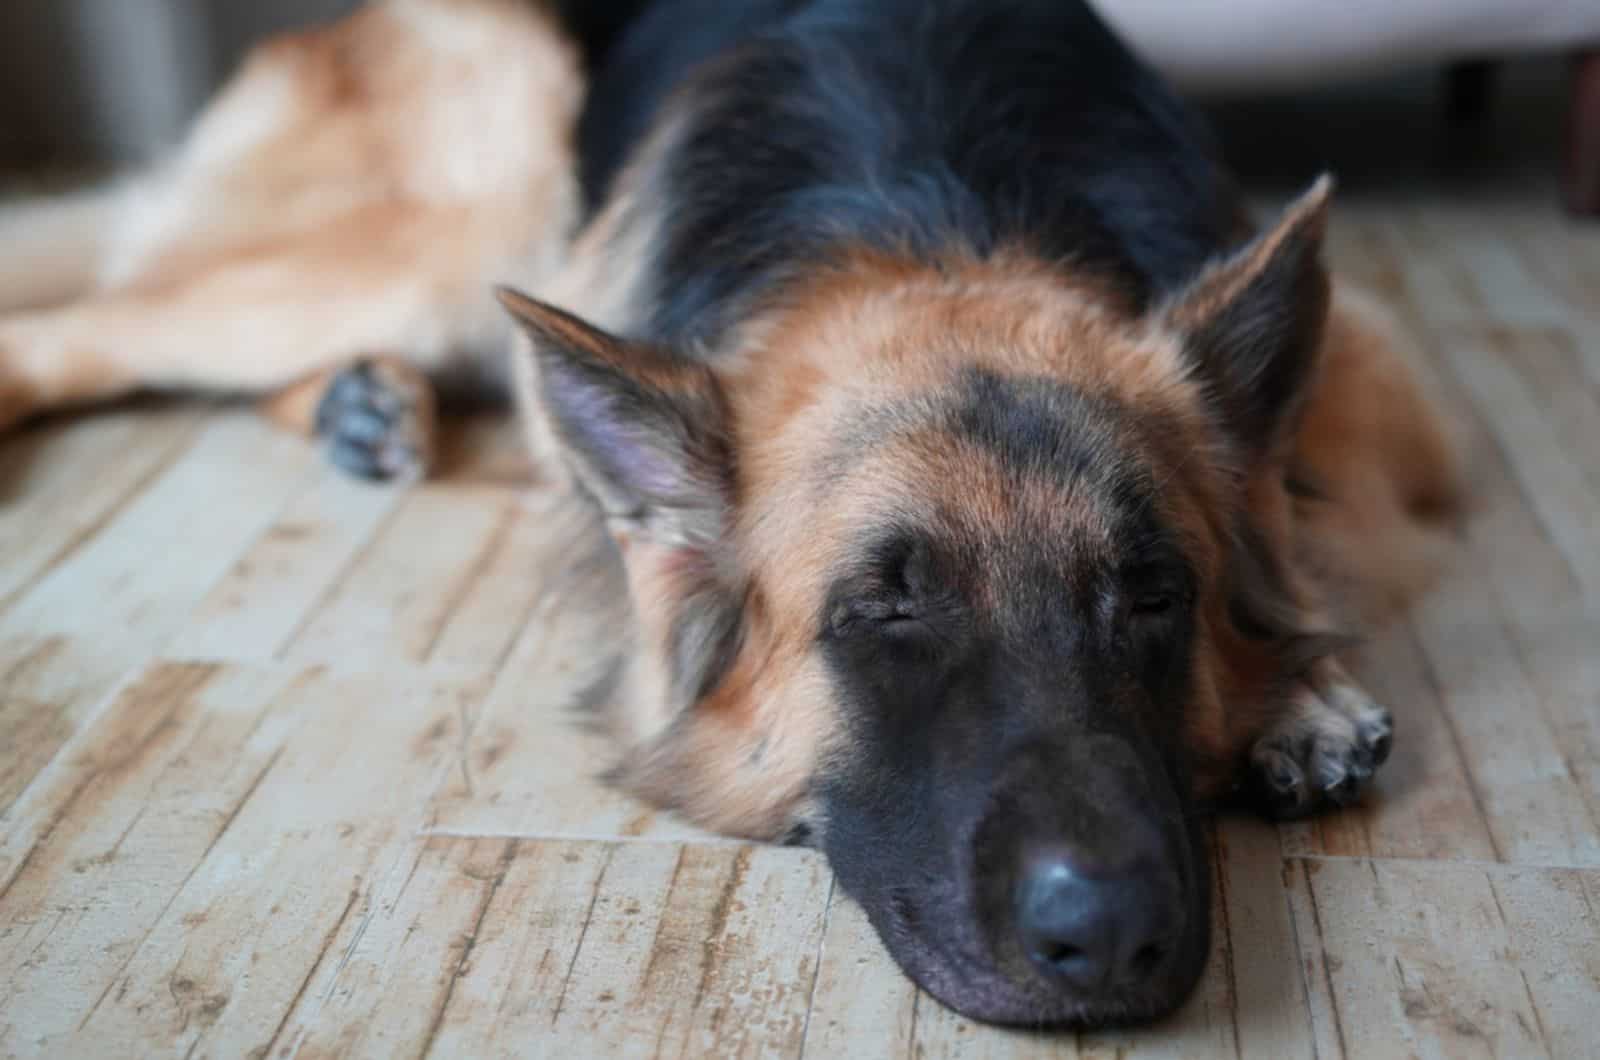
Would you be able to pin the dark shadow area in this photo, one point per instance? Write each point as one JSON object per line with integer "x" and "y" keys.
{"x": 1405, "y": 133}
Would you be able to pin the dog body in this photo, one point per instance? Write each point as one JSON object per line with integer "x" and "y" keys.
{"x": 990, "y": 494}
{"x": 946, "y": 413}
{"x": 337, "y": 215}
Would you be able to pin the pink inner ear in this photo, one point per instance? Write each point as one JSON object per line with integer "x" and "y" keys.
{"x": 629, "y": 436}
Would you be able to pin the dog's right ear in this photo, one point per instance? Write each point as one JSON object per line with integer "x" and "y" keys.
{"x": 644, "y": 430}
{"x": 1252, "y": 322}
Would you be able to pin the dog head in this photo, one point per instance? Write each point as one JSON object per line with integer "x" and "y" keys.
{"x": 945, "y": 569}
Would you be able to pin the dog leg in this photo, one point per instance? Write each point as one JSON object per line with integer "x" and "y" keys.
{"x": 258, "y": 323}
{"x": 1324, "y": 746}
{"x": 377, "y": 416}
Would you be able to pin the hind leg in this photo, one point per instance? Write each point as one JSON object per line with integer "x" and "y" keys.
{"x": 305, "y": 319}
{"x": 377, "y": 416}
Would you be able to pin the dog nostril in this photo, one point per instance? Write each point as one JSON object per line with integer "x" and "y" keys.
{"x": 1146, "y": 959}
{"x": 1093, "y": 930}
{"x": 1058, "y": 953}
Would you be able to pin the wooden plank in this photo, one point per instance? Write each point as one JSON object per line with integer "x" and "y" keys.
{"x": 1476, "y": 248}
{"x": 516, "y": 948}
{"x": 1449, "y": 960}
{"x": 729, "y": 964}
{"x": 537, "y": 775}
{"x": 1267, "y": 1012}
{"x": 1513, "y": 682}
{"x": 1566, "y": 259}
{"x": 396, "y": 985}
{"x": 1422, "y": 803}
{"x": 265, "y": 596}
{"x": 100, "y": 842}
{"x": 216, "y": 841}
{"x": 452, "y": 577}
{"x": 511, "y": 958}
{"x": 1552, "y": 477}
{"x": 534, "y": 755}
{"x": 1437, "y": 289}
{"x": 863, "y": 1004}
{"x": 533, "y": 770}
{"x": 1510, "y": 721}
{"x": 1549, "y": 362}
{"x": 1536, "y": 813}
{"x": 1563, "y": 665}
{"x": 48, "y": 689}
{"x": 1549, "y": 624}
{"x": 62, "y": 481}
{"x": 548, "y": 532}
{"x": 134, "y": 581}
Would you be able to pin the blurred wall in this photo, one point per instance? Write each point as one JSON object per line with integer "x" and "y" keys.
{"x": 87, "y": 81}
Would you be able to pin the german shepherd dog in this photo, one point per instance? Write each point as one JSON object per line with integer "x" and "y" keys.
{"x": 992, "y": 495}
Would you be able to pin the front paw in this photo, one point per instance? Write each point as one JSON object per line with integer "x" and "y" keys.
{"x": 1322, "y": 749}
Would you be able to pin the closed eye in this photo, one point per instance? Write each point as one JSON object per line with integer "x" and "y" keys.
{"x": 899, "y": 617}
{"x": 903, "y": 624}
{"x": 1159, "y": 594}
{"x": 1152, "y": 605}
{"x": 876, "y": 615}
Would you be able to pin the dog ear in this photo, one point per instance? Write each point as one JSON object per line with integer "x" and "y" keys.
{"x": 1252, "y": 322}
{"x": 643, "y": 429}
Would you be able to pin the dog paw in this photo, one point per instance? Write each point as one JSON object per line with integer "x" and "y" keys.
{"x": 377, "y": 419}
{"x": 1324, "y": 747}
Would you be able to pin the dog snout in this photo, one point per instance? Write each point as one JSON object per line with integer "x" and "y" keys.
{"x": 1096, "y": 925}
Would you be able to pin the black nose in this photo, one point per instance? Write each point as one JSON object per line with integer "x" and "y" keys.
{"x": 1092, "y": 927}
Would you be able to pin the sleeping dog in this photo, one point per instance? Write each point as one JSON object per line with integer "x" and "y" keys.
{"x": 992, "y": 494}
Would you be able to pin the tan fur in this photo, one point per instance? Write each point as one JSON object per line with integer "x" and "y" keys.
{"x": 354, "y": 191}
{"x": 1376, "y": 445}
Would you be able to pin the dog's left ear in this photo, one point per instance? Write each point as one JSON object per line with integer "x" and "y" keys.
{"x": 643, "y": 430}
{"x": 1252, "y": 322}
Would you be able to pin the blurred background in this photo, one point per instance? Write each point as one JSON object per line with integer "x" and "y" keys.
{"x": 1381, "y": 91}
{"x": 98, "y": 81}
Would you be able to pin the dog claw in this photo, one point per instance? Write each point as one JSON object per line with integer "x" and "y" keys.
{"x": 1323, "y": 750}
{"x": 1282, "y": 783}
{"x": 377, "y": 422}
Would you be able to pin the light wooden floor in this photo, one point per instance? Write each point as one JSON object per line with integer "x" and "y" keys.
{"x": 285, "y": 767}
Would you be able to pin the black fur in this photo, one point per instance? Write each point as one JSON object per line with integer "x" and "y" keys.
{"x": 909, "y": 124}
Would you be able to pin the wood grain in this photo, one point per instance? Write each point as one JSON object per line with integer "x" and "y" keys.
{"x": 187, "y": 863}
{"x": 60, "y": 484}
{"x": 1438, "y": 959}
{"x": 49, "y": 689}
{"x": 134, "y": 577}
